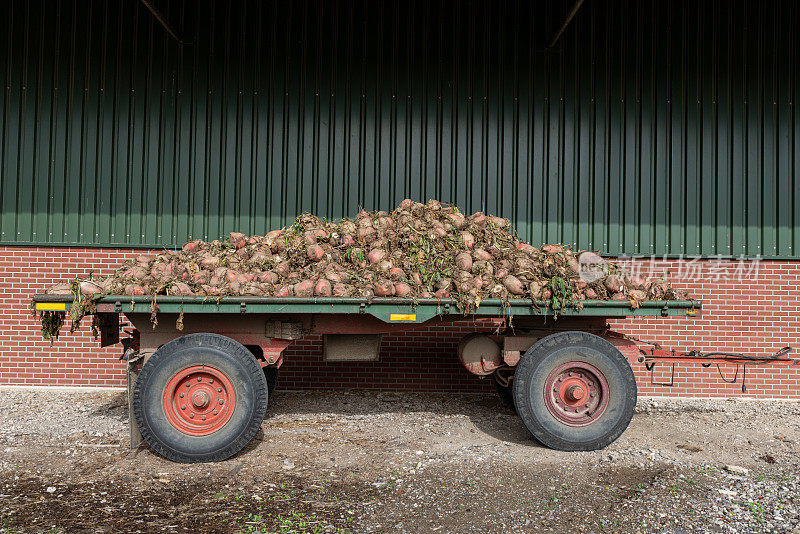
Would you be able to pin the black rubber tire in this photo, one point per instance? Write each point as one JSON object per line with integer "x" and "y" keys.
{"x": 222, "y": 353}
{"x": 271, "y": 375}
{"x": 506, "y": 394}
{"x": 545, "y": 356}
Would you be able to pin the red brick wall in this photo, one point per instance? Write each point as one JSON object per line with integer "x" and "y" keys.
{"x": 752, "y": 310}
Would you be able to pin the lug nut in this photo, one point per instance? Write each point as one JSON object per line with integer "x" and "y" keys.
{"x": 183, "y": 406}
{"x": 221, "y": 402}
{"x": 210, "y": 380}
{"x": 199, "y": 379}
{"x": 181, "y": 394}
{"x": 214, "y": 412}
{"x": 191, "y": 415}
{"x": 203, "y": 417}
{"x": 219, "y": 390}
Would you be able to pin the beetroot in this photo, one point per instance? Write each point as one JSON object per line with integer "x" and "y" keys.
{"x": 304, "y": 288}
{"x": 614, "y": 284}
{"x": 498, "y": 221}
{"x": 91, "y": 287}
{"x": 180, "y": 289}
{"x": 367, "y": 233}
{"x": 513, "y": 285}
{"x": 478, "y": 218}
{"x": 637, "y": 294}
{"x": 401, "y": 289}
{"x": 283, "y": 268}
{"x": 481, "y": 255}
{"x": 268, "y": 277}
{"x": 384, "y": 288}
{"x": 315, "y": 252}
{"x": 285, "y": 291}
{"x": 134, "y": 290}
{"x": 464, "y": 261}
{"x": 323, "y": 288}
{"x": 376, "y": 255}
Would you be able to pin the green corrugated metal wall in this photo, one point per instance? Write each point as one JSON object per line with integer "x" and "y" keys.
{"x": 652, "y": 127}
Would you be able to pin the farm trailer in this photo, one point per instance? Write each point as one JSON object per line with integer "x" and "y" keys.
{"x": 201, "y": 370}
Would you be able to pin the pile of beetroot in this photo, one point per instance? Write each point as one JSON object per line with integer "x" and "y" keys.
{"x": 417, "y": 251}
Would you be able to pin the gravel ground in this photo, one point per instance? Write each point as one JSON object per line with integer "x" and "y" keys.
{"x": 367, "y": 462}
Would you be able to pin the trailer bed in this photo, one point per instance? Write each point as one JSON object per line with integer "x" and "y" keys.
{"x": 390, "y": 310}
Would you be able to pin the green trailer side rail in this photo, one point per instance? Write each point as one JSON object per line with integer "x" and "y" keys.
{"x": 390, "y": 310}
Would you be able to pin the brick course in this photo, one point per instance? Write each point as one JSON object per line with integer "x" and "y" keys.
{"x": 746, "y": 309}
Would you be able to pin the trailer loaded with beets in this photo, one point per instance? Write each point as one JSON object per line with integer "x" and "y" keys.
{"x": 212, "y": 320}
{"x": 200, "y": 393}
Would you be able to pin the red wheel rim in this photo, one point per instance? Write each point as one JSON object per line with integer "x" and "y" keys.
{"x": 199, "y": 400}
{"x": 576, "y": 393}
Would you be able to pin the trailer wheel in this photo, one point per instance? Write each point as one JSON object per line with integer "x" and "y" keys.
{"x": 200, "y": 398}
{"x": 575, "y": 391}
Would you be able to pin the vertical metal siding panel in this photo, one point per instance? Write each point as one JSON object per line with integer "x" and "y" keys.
{"x": 769, "y": 148}
{"x": 694, "y": 43}
{"x": 105, "y": 120}
{"x": 795, "y": 136}
{"x": 707, "y": 131}
{"x": 10, "y": 118}
{"x": 160, "y": 212}
{"x": 723, "y": 129}
{"x": 73, "y": 176}
{"x": 677, "y": 172}
{"x": 754, "y": 128}
{"x": 44, "y": 127}
{"x": 738, "y": 136}
{"x": 89, "y": 134}
{"x": 659, "y": 163}
{"x": 230, "y": 177}
{"x": 292, "y": 129}
{"x": 600, "y": 116}
{"x": 27, "y": 130}
{"x": 783, "y": 183}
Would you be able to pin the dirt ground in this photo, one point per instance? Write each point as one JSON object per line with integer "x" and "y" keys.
{"x": 375, "y": 462}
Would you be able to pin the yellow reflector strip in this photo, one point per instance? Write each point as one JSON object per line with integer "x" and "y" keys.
{"x": 51, "y": 306}
{"x": 403, "y": 317}
{"x": 691, "y": 312}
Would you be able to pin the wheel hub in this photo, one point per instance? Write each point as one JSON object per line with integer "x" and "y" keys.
{"x": 576, "y": 393}
{"x": 212, "y": 400}
{"x": 200, "y": 399}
